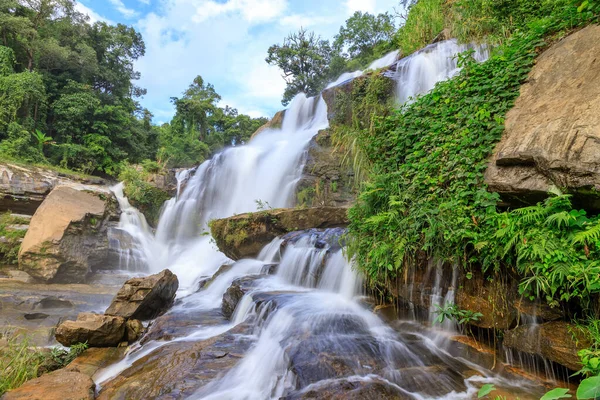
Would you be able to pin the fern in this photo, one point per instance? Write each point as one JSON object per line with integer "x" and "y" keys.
{"x": 589, "y": 236}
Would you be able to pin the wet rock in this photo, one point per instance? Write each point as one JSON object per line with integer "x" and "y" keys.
{"x": 134, "y": 330}
{"x": 538, "y": 310}
{"x": 35, "y": 316}
{"x": 493, "y": 299}
{"x": 234, "y": 294}
{"x": 145, "y": 298}
{"x": 95, "y": 329}
{"x": 269, "y": 269}
{"x": 94, "y": 359}
{"x": 552, "y": 134}
{"x": 181, "y": 323}
{"x": 177, "y": 369}
{"x": 67, "y": 237}
{"x": 53, "y": 302}
{"x": 245, "y": 235}
{"x": 557, "y": 341}
{"x": 368, "y": 389}
{"x": 58, "y": 385}
{"x": 206, "y": 282}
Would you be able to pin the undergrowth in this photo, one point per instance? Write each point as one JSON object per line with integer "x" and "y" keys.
{"x": 426, "y": 190}
{"x": 20, "y": 361}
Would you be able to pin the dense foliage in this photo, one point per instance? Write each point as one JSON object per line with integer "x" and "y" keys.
{"x": 427, "y": 194}
{"x": 68, "y": 98}
{"x": 200, "y": 127}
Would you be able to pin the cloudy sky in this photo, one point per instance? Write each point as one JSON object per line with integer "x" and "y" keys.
{"x": 225, "y": 41}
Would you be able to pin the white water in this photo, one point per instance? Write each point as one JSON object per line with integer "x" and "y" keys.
{"x": 234, "y": 181}
{"x": 382, "y": 62}
{"x": 418, "y": 73}
{"x": 311, "y": 304}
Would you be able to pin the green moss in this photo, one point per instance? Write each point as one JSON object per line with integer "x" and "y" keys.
{"x": 143, "y": 195}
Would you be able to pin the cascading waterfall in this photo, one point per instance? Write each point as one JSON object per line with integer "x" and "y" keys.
{"x": 308, "y": 330}
{"x": 418, "y": 73}
{"x": 236, "y": 180}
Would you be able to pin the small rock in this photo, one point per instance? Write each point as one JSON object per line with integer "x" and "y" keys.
{"x": 95, "y": 329}
{"x": 58, "y": 385}
{"x": 145, "y": 298}
{"x": 35, "y": 316}
{"x": 135, "y": 329}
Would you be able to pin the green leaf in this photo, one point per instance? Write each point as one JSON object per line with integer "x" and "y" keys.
{"x": 485, "y": 390}
{"x": 558, "y": 393}
{"x": 589, "y": 388}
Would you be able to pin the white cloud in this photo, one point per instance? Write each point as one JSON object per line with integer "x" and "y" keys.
{"x": 94, "y": 17}
{"x": 251, "y": 10}
{"x": 361, "y": 5}
{"x": 120, "y": 6}
{"x": 296, "y": 21}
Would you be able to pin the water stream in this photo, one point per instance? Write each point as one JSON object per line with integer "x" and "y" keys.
{"x": 303, "y": 330}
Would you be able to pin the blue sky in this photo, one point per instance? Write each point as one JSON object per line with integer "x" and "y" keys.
{"x": 225, "y": 41}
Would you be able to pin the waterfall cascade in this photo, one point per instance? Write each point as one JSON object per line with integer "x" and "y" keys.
{"x": 301, "y": 330}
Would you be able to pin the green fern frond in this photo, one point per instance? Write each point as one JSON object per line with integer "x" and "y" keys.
{"x": 590, "y": 235}
{"x": 562, "y": 218}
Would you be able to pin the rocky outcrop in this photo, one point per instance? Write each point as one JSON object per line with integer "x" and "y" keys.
{"x": 57, "y": 385}
{"x": 94, "y": 329}
{"x": 275, "y": 123}
{"x": 145, "y": 298}
{"x": 244, "y": 235}
{"x": 326, "y": 179}
{"x": 556, "y": 341}
{"x": 67, "y": 237}
{"x": 552, "y": 135}
{"x": 22, "y": 189}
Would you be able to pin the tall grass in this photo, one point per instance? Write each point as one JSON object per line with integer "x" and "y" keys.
{"x": 424, "y": 22}
{"x": 18, "y": 362}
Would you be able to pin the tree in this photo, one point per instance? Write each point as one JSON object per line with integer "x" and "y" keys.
{"x": 304, "y": 59}
{"x": 363, "y": 33}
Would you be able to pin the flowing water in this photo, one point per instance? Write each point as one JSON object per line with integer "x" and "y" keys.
{"x": 300, "y": 326}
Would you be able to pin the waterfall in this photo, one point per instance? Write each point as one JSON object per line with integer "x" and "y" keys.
{"x": 418, "y": 73}
{"x": 299, "y": 305}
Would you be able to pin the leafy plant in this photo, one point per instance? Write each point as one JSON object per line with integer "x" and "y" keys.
{"x": 452, "y": 312}
{"x": 42, "y": 139}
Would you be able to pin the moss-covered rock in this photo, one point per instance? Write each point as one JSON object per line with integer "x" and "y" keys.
{"x": 244, "y": 235}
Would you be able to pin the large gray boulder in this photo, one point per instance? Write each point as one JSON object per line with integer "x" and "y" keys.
{"x": 145, "y": 298}
{"x": 552, "y": 135}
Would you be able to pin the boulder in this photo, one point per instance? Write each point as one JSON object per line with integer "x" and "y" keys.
{"x": 95, "y": 329}
{"x": 145, "y": 298}
{"x": 244, "y": 235}
{"x": 23, "y": 188}
{"x": 552, "y": 135}
{"x": 57, "y": 385}
{"x": 67, "y": 237}
{"x": 234, "y": 294}
{"x": 557, "y": 341}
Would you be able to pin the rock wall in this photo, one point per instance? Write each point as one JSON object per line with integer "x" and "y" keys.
{"x": 22, "y": 189}
{"x": 552, "y": 135}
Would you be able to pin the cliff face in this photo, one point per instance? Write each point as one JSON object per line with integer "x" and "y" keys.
{"x": 552, "y": 135}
